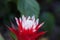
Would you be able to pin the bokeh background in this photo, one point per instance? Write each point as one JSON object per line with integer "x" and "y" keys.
{"x": 47, "y": 11}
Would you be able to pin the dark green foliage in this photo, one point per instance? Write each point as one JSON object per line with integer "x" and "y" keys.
{"x": 49, "y": 21}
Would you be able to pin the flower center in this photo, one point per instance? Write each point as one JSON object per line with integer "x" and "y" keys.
{"x": 28, "y": 24}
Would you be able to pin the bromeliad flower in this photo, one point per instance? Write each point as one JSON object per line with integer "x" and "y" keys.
{"x": 27, "y": 28}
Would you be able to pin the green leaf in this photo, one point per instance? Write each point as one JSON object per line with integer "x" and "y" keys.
{"x": 13, "y": 36}
{"x": 1, "y": 38}
{"x": 28, "y": 7}
{"x": 49, "y": 20}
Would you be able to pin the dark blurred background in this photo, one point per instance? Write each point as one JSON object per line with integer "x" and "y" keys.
{"x": 49, "y": 12}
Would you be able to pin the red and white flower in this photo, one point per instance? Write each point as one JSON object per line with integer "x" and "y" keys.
{"x": 27, "y": 28}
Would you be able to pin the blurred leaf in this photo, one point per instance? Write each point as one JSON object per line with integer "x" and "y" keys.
{"x": 1, "y": 38}
{"x": 48, "y": 18}
{"x": 28, "y": 7}
{"x": 13, "y": 36}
